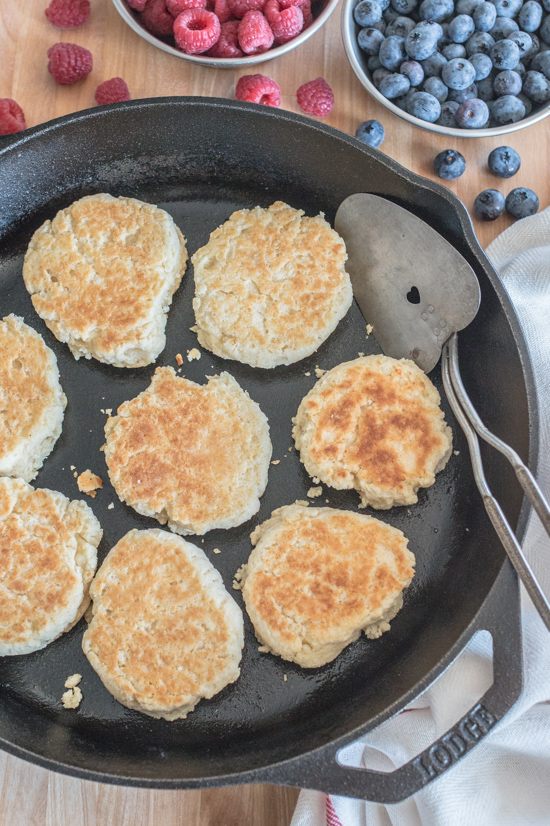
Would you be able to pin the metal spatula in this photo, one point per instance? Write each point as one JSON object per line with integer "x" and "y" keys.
{"x": 417, "y": 292}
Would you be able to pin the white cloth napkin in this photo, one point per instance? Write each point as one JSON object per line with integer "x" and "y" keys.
{"x": 505, "y": 780}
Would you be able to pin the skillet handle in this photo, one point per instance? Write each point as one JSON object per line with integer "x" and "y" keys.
{"x": 320, "y": 769}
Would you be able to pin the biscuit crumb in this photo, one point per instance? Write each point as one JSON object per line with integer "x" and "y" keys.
{"x": 290, "y": 449}
{"x": 75, "y": 474}
{"x": 360, "y": 355}
{"x": 263, "y": 649}
{"x": 111, "y": 506}
{"x": 315, "y": 480}
{"x": 314, "y": 492}
{"x": 101, "y": 410}
{"x": 71, "y": 698}
{"x": 456, "y": 452}
{"x": 319, "y": 371}
{"x": 179, "y": 359}
{"x": 89, "y": 483}
{"x": 73, "y": 467}
{"x": 193, "y": 355}
{"x": 303, "y": 502}
{"x": 108, "y": 411}
{"x": 237, "y": 581}
{"x": 217, "y": 551}
{"x": 73, "y": 680}
{"x": 194, "y": 328}
{"x": 276, "y": 461}
{"x": 285, "y": 677}
{"x": 307, "y": 374}
{"x": 369, "y": 329}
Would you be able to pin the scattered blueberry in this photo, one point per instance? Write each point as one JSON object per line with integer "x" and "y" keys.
{"x": 522, "y": 202}
{"x": 371, "y": 132}
{"x": 507, "y": 83}
{"x": 489, "y": 204}
{"x": 504, "y": 161}
{"x": 472, "y": 114}
{"x": 449, "y": 164}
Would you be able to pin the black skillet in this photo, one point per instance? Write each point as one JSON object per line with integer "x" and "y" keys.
{"x": 201, "y": 159}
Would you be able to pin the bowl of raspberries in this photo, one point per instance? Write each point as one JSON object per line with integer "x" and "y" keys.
{"x": 468, "y": 68}
{"x": 225, "y": 33}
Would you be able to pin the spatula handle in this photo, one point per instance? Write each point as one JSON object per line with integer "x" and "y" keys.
{"x": 503, "y": 529}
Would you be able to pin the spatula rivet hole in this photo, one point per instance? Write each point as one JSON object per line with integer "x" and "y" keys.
{"x": 443, "y": 323}
{"x": 430, "y": 309}
{"x": 413, "y": 296}
{"x": 425, "y": 316}
{"x": 436, "y": 330}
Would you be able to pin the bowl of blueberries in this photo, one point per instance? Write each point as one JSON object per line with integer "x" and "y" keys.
{"x": 458, "y": 67}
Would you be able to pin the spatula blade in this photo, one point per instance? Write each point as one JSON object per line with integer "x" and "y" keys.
{"x": 412, "y": 286}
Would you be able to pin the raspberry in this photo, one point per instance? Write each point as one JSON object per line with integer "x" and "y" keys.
{"x": 222, "y": 11}
{"x": 255, "y": 35}
{"x": 240, "y": 7}
{"x": 12, "y": 118}
{"x": 138, "y": 5}
{"x": 196, "y": 30}
{"x": 176, "y": 7}
{"x": 69, "y": 63}
{"x": 258, "y": 89}
{"x": 285, "y": 24}
{"x": 305, "y": 8}
{"x": 156, "y": 19}
{"x": 315, "y": 97}
{"x": 227, "y": 44}
{"x": 68, "y": 14}
{"x": 112, "y": 91}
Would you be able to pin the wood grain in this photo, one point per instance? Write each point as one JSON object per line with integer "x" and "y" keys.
{"x": 31, "y": 796}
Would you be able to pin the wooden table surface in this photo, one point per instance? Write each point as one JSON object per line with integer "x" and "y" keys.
{"x": 31, "y": 795}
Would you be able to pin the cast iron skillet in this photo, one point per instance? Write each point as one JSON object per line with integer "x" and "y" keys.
{"x": 200, "y": 159}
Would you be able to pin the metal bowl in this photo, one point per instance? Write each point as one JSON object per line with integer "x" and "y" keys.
{"x": 358, "y": 60}
{"x": 320, "y": 14}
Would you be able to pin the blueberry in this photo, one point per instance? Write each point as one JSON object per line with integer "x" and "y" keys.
{"x": 505, "y": 54}
{"x": 436, "y": 10}
{"x": 523, "y": 41}
{"x": 507, "y": 8}
{"x": 520, "y": 69}
{"x": 536, "y": 86}
{"x": 508, "y": 109}
{"x": 436, "y": 29}
{"x": 434, "y": 64}
{"x": 371, "y": 132}
{"x": 400, "y": 27}
{"x": 373, "y": 64}
{"x": 530, "y": 16}
{"x": 413, "y": 71}
{"x": 479, "y": 42}
{"x": 489, "y": 204}
{"x": 367, "y": 12}
{"x": 449, "y": 164}
{"x": 467, "y": 6}
{"x": 527, "y": 103}
{"x": 522, "y": 202}
{"x": 545, "y": 29}
{"x": 484, "y": 17}
{"x": 472, "y": 114}
{"x": 420, "y": 43}
{"x": 535, "y": 46}
{"x": 460, "y": 95}
{"x": 546, "y": 4}
{"x": 541, "y": 63}
{"x": 507, "y": 83}
{"x": 378, "y": 75}
{"x": 424, "y": 106}
{"x": 403, "y": 7}
{"x": 504, "y": 161}
{"x": 435, "y": 86}
{"x": 462, "y": 27}
{"x": 485, "y": 89}
{"x": 503, "y": 28}
{"x": 483, "y": 64}
{"x": 394, "y": 85}
{"x": 452, "y": 50}
{"x": 369, "y": 40}
{"x": 458, "y": 73}
{"x": 392, "y": 52}
{"x": 388, "y": 15}
{"x": 447, "y": 116}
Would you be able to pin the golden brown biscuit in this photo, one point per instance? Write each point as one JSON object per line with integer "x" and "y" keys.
{"x": 32, "y": 401}
{"x": 195, "y": 456}
{"x": 48, "y": 553}
{"x": 102, "y": 275}
{"x": 165, "y": 633}
{"x": 270, "y": 286}
{"x": 319, "y": 576}
{"x": 374, "y": 424}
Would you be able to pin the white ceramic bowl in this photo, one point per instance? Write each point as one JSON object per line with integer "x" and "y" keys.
{"x": 321, "y": 12}
{"x": 358, "y": 60}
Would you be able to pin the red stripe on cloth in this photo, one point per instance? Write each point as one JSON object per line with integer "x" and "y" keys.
{"x": 332, "y": 817}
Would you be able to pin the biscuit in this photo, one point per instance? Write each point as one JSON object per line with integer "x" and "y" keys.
{"x": 102, "y": 275}
{"x": 270, "y": 286}
{"x": 48, "y": 547}
{"x": 319, "y": 576}
{"x": 193, "y": 456}
{"x": 374, "y": 424}
{"x": 165, "y": 633}
{"x": 33, "y": 403}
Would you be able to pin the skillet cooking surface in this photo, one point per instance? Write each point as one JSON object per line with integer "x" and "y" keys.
{"x": 200, "y": 160}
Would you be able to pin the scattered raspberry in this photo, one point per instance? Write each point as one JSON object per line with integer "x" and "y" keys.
{"x": 227, "y": 44}
{"x": 255, "y": 35}
{"x": 138, "y": 5}
{"x": 305, "y": 8}
{"x": 258, "y": 89}
{"x": 222, "y": 11}
{"x": 68, "y": 14}
{"x": 12, "y": 118}
{"x": 157, "y": 19}
{"x": 69, "y": 63}
{"x": 176, "y": 7}
{"x": 240, "y": 7}
{"x": 316, "y": 97}
{"x": 196, "y": 30}
{"x": 285, "y": 24}
{"x": 112, "y": 91}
